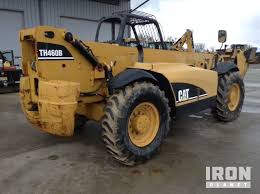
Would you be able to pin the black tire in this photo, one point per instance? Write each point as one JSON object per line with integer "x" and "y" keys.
{"x": 115, "y": 122}
{"x": 222, "y": 111}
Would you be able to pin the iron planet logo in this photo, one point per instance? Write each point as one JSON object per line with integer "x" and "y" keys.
{"x": 218, "y": 177}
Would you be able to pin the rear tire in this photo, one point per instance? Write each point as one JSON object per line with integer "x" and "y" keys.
{"x": 230, "y": 97}
{"x": 135, "y": 123}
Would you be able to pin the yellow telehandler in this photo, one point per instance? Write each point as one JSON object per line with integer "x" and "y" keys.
{"x": 133, "y": 90}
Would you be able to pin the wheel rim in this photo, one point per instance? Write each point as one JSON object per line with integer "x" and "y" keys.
{"x": 234, "y": 97}
{"x": 143, "y": 124}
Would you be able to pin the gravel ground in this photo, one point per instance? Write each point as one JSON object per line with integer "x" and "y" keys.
{"x": 35, "y": 162}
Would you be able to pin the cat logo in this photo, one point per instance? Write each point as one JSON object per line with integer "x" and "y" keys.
{"x": 183, "y": 95}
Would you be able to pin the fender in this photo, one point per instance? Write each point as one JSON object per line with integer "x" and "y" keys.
{"x": 129, "y": 76}
{"x": 224, "y": 67}
{"x": 166, "y": 86}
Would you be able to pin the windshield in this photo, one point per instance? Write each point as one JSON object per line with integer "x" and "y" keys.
{"x": 147, "y": 35}
{"x": 130, "y": 31}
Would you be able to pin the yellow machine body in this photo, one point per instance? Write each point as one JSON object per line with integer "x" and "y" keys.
{"x": 52, "y": 91}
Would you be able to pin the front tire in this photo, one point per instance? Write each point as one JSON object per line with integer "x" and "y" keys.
{"x": 135, "y": 123}
{"x": 230, "y": 97}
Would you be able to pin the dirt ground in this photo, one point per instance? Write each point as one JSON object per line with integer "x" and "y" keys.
{"x": 34, "y": 162}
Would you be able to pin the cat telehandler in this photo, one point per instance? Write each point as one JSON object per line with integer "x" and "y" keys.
{"x": 131, "y": 89}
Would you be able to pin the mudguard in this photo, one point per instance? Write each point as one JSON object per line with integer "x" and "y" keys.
{"x": 224, "y": 67}
{"x": 129, "y": 76}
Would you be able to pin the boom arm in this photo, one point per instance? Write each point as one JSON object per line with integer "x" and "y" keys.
{"x": 187, "y": 38}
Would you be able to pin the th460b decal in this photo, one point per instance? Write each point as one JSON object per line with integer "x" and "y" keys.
{"x": 50, "y": 53}
{"x": 47, "y": 51}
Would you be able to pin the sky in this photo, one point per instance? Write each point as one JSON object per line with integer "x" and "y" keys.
{"x": 240, "y": 18}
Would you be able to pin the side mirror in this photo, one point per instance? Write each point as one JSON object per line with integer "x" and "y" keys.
{"x": 222, "y": 36}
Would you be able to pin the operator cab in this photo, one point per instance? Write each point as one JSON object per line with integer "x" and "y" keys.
{"x": 132, "y": 29}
